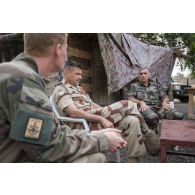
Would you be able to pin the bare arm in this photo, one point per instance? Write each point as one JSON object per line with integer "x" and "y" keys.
{"x": 165, "y": 103}
{"x": 96, "y": 106}
{"x": 138, "y": 102}
{"x": 165, "y": 99}
{"x": 74, "y": 112}
{"x": 142, "y": 104}
{"x": 131, "y": 94}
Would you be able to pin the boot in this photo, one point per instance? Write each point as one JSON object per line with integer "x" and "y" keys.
{"x": 133, "y": 160}
{"x": 152, "y": 142}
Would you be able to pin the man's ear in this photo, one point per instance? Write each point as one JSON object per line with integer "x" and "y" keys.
{"x": 57, "y": 49}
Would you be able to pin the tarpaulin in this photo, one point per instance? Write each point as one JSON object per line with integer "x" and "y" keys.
{"x": 123, "y": 57}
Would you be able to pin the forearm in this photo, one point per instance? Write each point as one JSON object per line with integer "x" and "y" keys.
{"x": 138, "y": 102}
{"x": 85, "y": 115}
{"x": 165, "y": 99}
{"x": 68, "y": 145}
{"x": 96, "y": 106}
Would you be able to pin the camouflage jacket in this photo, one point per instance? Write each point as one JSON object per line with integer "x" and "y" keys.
{"x": 28, "y": 128}
{"x": 152, "y": 94}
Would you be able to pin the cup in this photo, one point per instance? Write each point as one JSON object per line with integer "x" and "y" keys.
{"x": 171, "y": 105}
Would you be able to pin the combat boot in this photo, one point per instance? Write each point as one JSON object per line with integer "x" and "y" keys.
{"x": 152, "y": 142}
{"x": 133, "y": 160}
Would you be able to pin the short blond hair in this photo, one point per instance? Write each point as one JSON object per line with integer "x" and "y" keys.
{"x": 39, "y": 43}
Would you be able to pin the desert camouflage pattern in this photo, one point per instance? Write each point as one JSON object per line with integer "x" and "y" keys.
{"x": 66, "y": 95}
{"x": 29, "y": 131}
{"x": 152, "y": 95}
{"x": 124, "y": 115}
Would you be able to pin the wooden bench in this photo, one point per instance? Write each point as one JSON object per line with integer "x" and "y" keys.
{"x": 176, "y": 133}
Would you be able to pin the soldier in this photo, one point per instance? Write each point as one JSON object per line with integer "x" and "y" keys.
{"x": 152, "y": 100}
{"x": 73, "y": 100}
{"x": 29, "y": 130}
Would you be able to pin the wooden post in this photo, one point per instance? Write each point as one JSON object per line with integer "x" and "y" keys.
{"x": 190, "y": 104}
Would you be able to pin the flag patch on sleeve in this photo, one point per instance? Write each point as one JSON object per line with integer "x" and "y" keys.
{"x": 33, "y": 128}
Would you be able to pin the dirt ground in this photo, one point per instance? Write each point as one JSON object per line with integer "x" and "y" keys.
{"x": 181, "y": 107}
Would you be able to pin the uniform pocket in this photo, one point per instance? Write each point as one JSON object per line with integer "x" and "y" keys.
{"x": 140, "y": 95}
{"x": 154, "y": 94}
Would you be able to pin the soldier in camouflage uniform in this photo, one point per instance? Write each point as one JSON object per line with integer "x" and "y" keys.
{"x": 72, "y": 100}
{"x": 29, "y": 130}
{"x": 151, "y": 98}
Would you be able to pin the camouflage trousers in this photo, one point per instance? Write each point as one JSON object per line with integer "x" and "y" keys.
{"x": 126, "y": 117}
{"x": 154, "y": 114}
{"x": 91, "y": 158}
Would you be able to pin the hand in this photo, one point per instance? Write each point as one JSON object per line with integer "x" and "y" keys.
{"x": 115, "y": 141}
{"x": 143, "y": 106}
{"x": 166, "y": 106}
{"x": 106, "y": 123}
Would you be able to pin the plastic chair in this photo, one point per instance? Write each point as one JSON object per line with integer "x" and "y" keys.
{"x": 75, "y": 120}
{"x": 68, "y": 119}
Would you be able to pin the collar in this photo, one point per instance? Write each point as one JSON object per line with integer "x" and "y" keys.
{"x": 77, "y": 88}
{"x": 149, "y": 82}
{"x": 28, "y": 59}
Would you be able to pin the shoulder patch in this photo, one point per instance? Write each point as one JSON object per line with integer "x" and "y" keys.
{"x": 33, "y": 128}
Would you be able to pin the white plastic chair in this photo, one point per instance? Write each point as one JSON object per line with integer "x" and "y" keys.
{"x": 68, "y": 119}
{"x": 75, "y": 120}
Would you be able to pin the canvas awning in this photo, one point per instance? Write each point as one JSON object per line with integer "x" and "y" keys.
{"x": 123, "y": 57}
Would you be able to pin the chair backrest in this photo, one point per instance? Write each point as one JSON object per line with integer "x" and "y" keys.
{"x": 77, "y": 120}
{"x": 54, "y": 107}
{"x": 67, "y": 119}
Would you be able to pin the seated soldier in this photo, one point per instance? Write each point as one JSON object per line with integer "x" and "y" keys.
{"x": 73, "y": 100}
{"x": 29, "y": 131}
{"x": 152, "y": 101}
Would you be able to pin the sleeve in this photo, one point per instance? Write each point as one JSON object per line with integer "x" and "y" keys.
{"x": 86, "y": 95}
{"x": 131, "y": 91}
{"x": 72, "y": 144}
{"x": 62, "y": 98}
{"x": 40, "y": 135}
{"x": 88, "y": 98}
{"x": 125, "y": 92}
{"x": 162, "y": 92}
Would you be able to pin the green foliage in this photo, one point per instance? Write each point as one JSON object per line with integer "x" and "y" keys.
{"x": 184, "y": 41}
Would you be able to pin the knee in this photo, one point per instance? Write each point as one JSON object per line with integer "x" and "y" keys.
{"x": 178, "y": 116}
{"x": 100, "y": 158}
{"x": 131, "y": 127}
{"x": 151, "y": 116}
{"x": 134, "y": 120}
{"x": 134, "y": 125}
